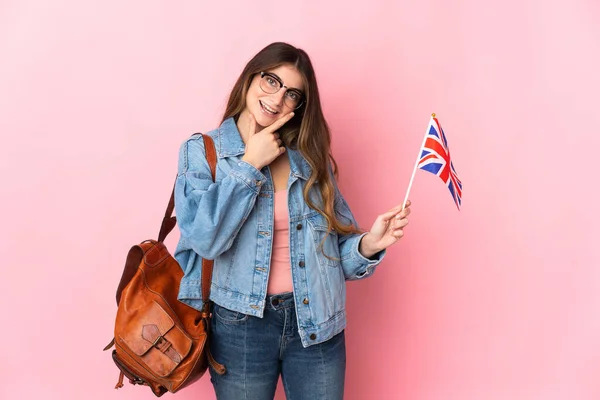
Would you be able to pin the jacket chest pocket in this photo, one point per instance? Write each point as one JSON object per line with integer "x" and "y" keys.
{"x": 325, "y": 241}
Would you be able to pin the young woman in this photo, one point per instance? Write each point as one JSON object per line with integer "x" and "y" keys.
{"x": 282, "y": 236}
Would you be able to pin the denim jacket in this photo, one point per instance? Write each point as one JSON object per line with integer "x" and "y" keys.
{"x": 231, "y": 222}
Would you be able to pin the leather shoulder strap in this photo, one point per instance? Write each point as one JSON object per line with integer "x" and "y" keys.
{"x": 170, "y": 221}
{"x": 207, "y": 265}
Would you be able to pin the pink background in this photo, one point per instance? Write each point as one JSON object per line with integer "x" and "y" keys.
{"x": 498, "y": 301}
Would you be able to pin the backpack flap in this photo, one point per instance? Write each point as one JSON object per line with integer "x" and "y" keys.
{"x": 156, "y": 340}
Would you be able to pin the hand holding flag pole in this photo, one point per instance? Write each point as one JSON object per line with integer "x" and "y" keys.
{"x": 434, "y": 156}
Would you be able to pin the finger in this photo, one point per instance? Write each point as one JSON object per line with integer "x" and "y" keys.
{"x": 251, "y": 124}
{"x": 279, "y": 123}
{"x": 276, "y": 135}
{"x": 397, "y": 233}
{"x": 387, "y": 216}
{"x": 278, "y": 142}
{"x": 398, "y": 224}
{"x": 403, "y": 214}
{"x": 396, "y": 209}
{"x": 407, "y": 204}
{"x": 401, "y": 223}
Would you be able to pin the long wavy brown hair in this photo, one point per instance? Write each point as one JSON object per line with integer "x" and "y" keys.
{"x": 306, "y": 132}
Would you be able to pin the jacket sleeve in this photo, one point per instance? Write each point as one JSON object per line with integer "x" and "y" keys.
{"x": 211, "y": 214}
{"x": 354, "y": 264}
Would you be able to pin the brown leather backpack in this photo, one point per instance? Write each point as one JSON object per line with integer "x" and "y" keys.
{"x": 159, "y": 341}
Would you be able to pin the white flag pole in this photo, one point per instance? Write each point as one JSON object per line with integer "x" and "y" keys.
{"x": 417, "y": 162}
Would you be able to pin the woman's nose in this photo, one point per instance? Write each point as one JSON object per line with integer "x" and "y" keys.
{"x": 279, "y": 96}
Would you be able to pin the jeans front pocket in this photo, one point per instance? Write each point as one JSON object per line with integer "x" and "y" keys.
{"x": 228, "y": 316}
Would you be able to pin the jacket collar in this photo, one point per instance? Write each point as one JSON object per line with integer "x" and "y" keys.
{"x": 229, "y": 143}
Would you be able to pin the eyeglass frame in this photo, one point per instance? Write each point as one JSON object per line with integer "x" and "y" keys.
{"x": 281, "y": 85}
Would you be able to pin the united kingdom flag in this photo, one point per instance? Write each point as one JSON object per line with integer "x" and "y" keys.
{"x": 435, "y": 158}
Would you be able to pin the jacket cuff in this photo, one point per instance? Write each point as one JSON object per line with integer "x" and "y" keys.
{"x": 375, "y": 258}
{"x": 248, "y": 174}
{"x": 363, "y": 265}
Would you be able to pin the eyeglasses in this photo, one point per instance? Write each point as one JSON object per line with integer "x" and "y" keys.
{"x": 270, "y": 83}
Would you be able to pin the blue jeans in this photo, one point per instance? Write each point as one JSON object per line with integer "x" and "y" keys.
{"x": 256, "y": 350}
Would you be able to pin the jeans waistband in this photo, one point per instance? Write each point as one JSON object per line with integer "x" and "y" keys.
{"x": 279, "y": 301}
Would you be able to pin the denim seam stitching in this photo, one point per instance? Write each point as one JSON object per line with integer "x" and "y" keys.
{"x": 282, "y": 339}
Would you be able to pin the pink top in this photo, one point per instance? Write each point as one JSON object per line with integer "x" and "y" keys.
{"x": 280, "y": 277}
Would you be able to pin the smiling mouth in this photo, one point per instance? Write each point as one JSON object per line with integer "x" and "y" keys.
{"x": 267, "y": 109}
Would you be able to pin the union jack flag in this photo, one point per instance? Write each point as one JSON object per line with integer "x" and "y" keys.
{"x": 435, "y": 158}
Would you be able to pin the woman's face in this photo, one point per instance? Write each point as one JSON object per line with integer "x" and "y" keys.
{"x": 274, "y": 94}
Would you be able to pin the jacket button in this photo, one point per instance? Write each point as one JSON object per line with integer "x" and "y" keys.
{"x": 301, "y": 263}
{"x": 313, "y": 336}
{"x": 299, "y": 226}
{"x": 305, "y": 301}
